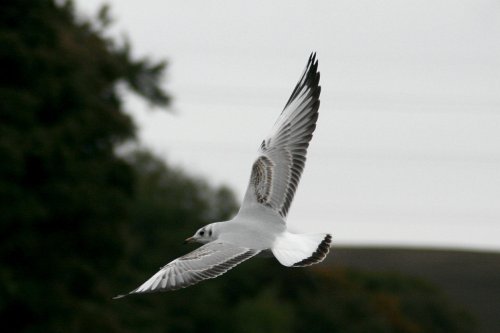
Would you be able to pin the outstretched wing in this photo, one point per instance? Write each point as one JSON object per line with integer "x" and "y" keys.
{"x": 206, "y": 262}
{"x": 277, "y": 170}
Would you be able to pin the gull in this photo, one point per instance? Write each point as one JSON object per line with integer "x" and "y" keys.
{"x": 260, "y": 224}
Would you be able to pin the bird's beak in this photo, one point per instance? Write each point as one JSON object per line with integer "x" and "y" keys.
{"x": 189, "y": 240}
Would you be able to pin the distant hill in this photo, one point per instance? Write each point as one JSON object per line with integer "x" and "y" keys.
{"x": 471, "y": 279}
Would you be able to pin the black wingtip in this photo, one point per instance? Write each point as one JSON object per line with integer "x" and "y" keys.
{"x": 310, "y": 77}
{"x": 313, "y": 61}
{"x": 312, "y": 57}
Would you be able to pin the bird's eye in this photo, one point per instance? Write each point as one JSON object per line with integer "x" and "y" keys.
{"x": 202, "y": 233}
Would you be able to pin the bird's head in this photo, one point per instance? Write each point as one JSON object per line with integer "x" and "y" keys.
{"x": 203, "y": 235}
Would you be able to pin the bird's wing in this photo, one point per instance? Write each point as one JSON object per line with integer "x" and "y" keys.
{"x": 206, "y": 262}
{"x": 277, "y": 170}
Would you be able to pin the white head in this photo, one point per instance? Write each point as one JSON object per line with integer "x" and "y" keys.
{"x": 204, "y": 235}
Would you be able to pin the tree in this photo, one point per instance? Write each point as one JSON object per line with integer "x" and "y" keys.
{"x": 64, "y": 193}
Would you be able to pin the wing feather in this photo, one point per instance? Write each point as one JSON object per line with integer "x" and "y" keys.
{"x": 206, "y": 262}
{"x": 277, "y": 170}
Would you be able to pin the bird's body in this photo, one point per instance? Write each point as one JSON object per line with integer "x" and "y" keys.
{"x": 256, "y": 229}
{"x": 260, "y": 225}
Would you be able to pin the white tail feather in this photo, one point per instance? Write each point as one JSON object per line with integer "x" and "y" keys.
{"x": 301, "y": 249}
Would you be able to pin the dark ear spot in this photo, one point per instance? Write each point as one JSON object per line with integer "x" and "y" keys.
{"x": 210, "y": 233}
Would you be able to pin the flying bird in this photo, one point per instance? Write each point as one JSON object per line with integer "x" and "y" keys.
{"x": 260, "y": 225}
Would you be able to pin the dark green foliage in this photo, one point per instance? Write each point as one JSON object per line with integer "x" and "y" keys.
{"x": 64, "y": 195}
{"x": 79, "y": 224}
{"x": 352, "y": 301}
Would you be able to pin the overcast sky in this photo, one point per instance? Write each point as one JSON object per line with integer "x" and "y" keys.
{"x": 407, "y": 147}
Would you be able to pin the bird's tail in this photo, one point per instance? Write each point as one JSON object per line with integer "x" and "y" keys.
{"x": 301, "y": 249}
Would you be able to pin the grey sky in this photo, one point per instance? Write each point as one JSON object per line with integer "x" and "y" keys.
{"x": 407, "y": 148}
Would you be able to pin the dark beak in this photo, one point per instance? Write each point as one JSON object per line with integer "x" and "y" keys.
{"x": 189, "y": 240}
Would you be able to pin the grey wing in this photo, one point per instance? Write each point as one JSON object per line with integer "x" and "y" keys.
{"x": 206, "y": 262}
{"x": 276, "y": 172}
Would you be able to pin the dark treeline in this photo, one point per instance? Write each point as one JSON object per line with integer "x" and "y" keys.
{"x": 80, "y": 223}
